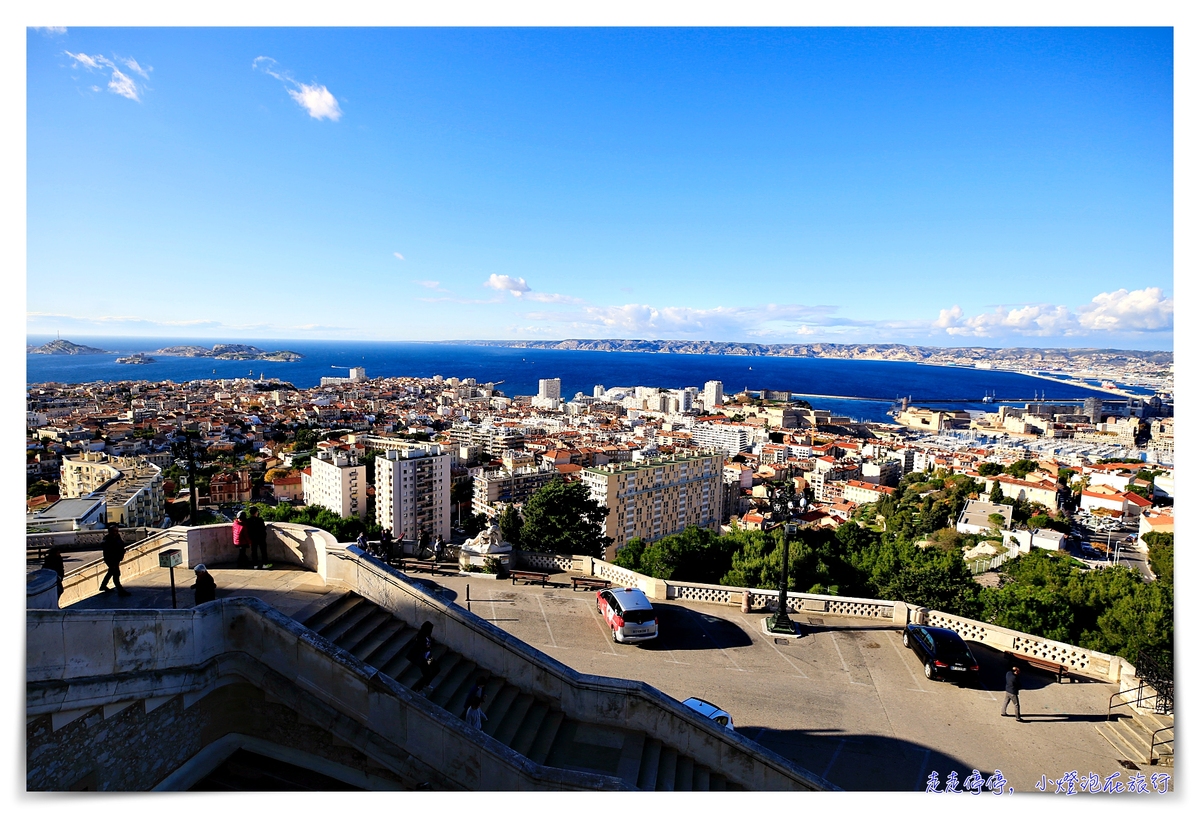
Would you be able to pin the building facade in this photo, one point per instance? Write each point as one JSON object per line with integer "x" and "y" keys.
{"x": 338, "y": 483}
{"x": 412, "y": 491}
{"x": 656, "y": 497}
{"x": 493, "y": 490}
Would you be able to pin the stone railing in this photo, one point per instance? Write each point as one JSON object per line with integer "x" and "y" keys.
{"x": 592, "y": 699}
{"x": 81, "y": 660}
{"x": 1082, "y": 661}
{"x": 541, "y": 562}
{"x": 84, "y": 540}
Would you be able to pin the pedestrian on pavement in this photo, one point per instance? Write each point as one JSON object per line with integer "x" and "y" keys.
{"x": 361, "y": 542}
{"x": 54, "y": 562}
{"x": 475, "y": 715}
{"x": 257, "y": 529}
{"x": 385, "y": 544}
{"x": 421, "y": 655}
{"x": 206, "y": 587}
{"x": 1012, "y": 689}
{"x": 241, "y": 540}
{"x": 113, "y": 551}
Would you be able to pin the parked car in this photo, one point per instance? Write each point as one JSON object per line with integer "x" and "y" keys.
{"x": 628, "y": 613}
{"x": 943, "y": 653}
{"x": 710, "y": 711}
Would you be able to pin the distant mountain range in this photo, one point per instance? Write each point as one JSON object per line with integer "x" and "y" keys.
{"x": 1013, "y": 357}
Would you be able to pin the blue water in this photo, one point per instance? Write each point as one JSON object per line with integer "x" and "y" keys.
{"x": 520, "y": 370}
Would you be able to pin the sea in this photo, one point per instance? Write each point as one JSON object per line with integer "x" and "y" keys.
{"x": 862, "y": 390}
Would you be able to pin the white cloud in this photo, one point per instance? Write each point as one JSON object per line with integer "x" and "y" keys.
{"x": 51, "y": 31}
{"x": 514, "y": 286}
{"x": 316, "y": 99}
{"x": 554, "y": 298}
{"x": 118, "y": 82}
{"x": 123, "y": 85}
{"x": 133, "y": 66}
{"x": 397, "y": 255}
{"x": 431, "y": 285}
{"x": 718, "y": 323}
{"x": 1123, "y": 311}
{"x": 1120, "y": 311}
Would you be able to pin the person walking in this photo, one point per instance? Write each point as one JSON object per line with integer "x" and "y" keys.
{"x": 54, "y": 562}
{"x": 361, "y": 542}
{"x": 256, "y": 528}
{"x": 206, "y": 586}
{"x": 385, "y": 544}
{"x": 113, "y": 551}
{"x": 421, "y": 655}
{"x": 475, "y": 715}
{"x": 241, "y": 540}
{"x": 476, "y": 693}
{"x": 1012, "y": 689}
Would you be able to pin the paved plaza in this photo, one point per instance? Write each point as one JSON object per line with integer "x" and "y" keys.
{"x": 846, "y": 700}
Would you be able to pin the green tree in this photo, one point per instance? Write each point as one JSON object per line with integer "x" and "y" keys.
{"x": 562, "y": 518}
{"x": 1021, "y": 468}
{"x": 990, "y": 469}
{"x": 996, "y": 495}
{"x": 1162, "y": 560}
{"x": 510, "y": 525}
{"x": 629, "y": 555}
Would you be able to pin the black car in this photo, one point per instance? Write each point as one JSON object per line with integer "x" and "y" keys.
{"x": 943, "y": 653}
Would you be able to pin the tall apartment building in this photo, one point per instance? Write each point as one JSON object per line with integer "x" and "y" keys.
{"x": 714, "y": 394}
{"x": 412, "y": 491}
{"x": 337, "y": 483}
{"x": 495, "y": 489}
{"x": 656, "y": 497}
{"x": 550, "y": 388}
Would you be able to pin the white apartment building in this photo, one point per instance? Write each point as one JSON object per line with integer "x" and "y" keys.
{"x": 130, "y": 487}
{"x": 550, "y": 388}
{"x": 656, "y": 497}
{"x": 337, "y": 483}
{"x": 729, "y": 438}
{"x": 412, "y": 491}
{"x": 513, "y": 485}
{"x": 714, "y": 395}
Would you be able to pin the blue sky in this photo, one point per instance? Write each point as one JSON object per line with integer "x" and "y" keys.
{"x": 952, "y": 187}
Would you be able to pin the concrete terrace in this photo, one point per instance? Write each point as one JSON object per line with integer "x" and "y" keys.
{"x": 846, "y": 700}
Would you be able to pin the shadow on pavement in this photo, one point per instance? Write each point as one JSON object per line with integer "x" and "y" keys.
{"x": 860, "y": 762}
{"x": 682, "y": 629}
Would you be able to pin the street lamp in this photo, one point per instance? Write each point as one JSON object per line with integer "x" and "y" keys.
{"x": 783, "y": 509}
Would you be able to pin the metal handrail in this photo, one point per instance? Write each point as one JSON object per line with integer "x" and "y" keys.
{"x": 1154, "y": 742}
{"x": 1137, "y": 701}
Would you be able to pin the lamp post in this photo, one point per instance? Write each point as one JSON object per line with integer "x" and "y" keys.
{"x": 783, "y": 508}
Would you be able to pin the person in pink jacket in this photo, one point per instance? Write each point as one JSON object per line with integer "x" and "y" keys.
{"x": 241, "y": 540}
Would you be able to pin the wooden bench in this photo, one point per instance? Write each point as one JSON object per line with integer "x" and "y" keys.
{"x": 420, "y": 565}
{"x": 1059, "y": 670}
{"x": 529, "y": 576}
{"x": 594, "y": 583}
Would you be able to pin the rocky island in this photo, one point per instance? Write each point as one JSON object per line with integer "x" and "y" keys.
{"x": 230, "y": 352}
{"x": 135, "y": 358}
{"x": 62, "y": 347}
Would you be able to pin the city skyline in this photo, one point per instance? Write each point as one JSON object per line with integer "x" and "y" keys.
{"x": 940, "y": 187}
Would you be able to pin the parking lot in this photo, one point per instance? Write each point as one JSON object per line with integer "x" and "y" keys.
{"x": 846, "y": 700}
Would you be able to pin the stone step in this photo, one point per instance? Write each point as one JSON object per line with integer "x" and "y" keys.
{"x": 458, "y": 681}
{"x": 539, "y": 750}
{"x": 334, "y": 630}
{"x": 330, "y": 596}
{"x": 499, "y": 708}
{"x": 1120, "y": 741}
{"x": 527, "y": 732}
{"x": 368, "y": 650}
{"x": 392, "y": 656}
{"x": 354, "y": 636}
{"x": 456, "y": 702}
{"x": 411, "y": 673}
{"x": 648, "y": 771}
{"x": 512, "y": 719}
{"x": 1152, "y": 721}
{"x": 330, "y": 612}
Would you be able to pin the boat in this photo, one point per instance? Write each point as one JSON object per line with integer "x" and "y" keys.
{"x": 988, "y": 398}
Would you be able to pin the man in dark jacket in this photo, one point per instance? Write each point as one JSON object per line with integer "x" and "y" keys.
{"x": 1012, "y": 688}
{"x": 257, "y": 529}
{"x": 114, "y": 552}
{"x": 54, "y": 562}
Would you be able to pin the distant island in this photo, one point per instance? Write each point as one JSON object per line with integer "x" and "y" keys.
{"x": 136, "y": 358}
{"x": 1010, "y": 358}
{"x": 60, "y": 347}
{"x": 230, "y": 352}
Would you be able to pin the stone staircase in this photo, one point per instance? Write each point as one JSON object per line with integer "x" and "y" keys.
{"x": 1131, "y": 735}
{"x": 534, "y": 727}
